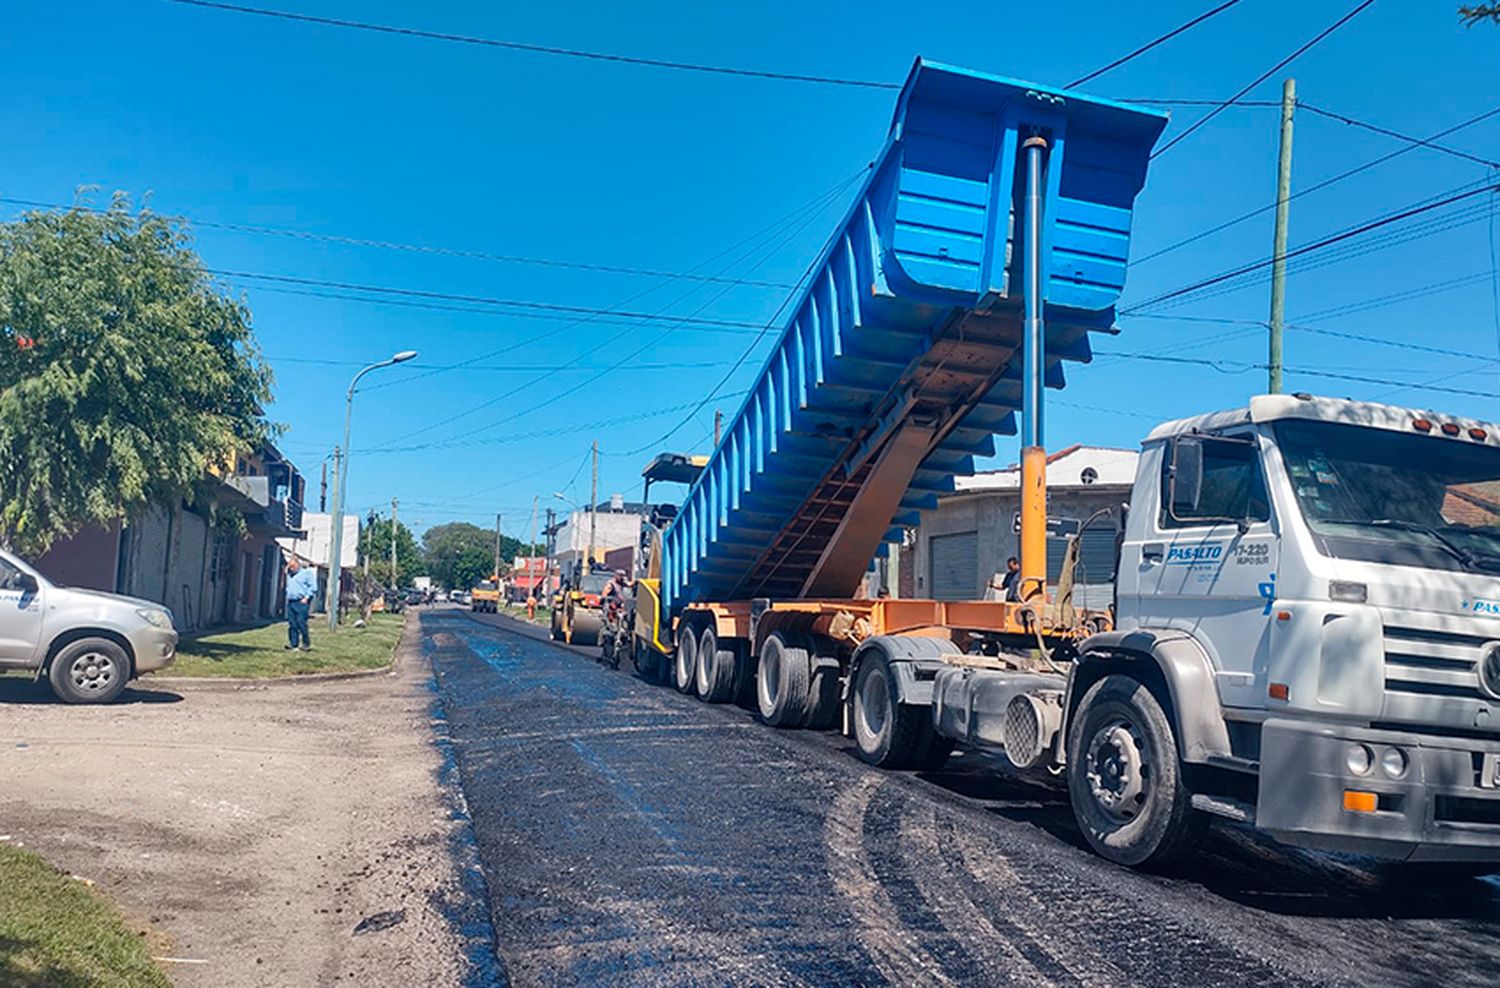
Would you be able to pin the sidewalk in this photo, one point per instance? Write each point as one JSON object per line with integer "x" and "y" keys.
{"x": 256, "y": 828}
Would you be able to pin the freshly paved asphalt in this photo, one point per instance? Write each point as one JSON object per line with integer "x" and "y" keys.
{"x": 632, "y": 835}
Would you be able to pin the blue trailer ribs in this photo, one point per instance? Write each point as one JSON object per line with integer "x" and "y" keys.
{"x": 900, "y": 361}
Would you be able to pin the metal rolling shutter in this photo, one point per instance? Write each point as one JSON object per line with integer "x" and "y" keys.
{"x": 954, "y": 566}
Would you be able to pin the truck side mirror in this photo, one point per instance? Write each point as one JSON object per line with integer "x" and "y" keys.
{"x": 1187, "y": 475}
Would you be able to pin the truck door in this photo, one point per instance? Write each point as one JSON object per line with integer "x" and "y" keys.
{"x": 20, "y": 617}
{"x": 1206, "y": 562}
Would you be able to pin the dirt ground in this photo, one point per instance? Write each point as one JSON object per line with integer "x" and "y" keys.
{"x": 254, "y": 828}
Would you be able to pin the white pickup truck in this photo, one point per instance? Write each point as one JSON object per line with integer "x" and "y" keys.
{"x": 1307, "y": 640}
{"x": 87, "y": 643}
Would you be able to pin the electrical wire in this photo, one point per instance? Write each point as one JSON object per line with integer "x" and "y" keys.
{"x": 1163, "y": 39}
{"x": 1318, "y": 186}
{"x": 538, "y": 49}
{"x": 1243, "y": 367}
{"x": 439, "y": 251}
{"x": 1298, "y": 53}
{"x": 1387, "y": 132}
{"x": 1317, "y": 245}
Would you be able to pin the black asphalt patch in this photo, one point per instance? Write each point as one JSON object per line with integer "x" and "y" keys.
{"x": 632, "y": 835}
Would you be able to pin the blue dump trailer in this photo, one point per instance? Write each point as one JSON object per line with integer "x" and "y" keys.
{"x": 986, "y": 247}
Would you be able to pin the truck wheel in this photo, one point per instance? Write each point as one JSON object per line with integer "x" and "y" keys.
{"x": 685, "y": 667}
{"x": 825, "y": 685}
{"x": 888, "y": 734}
{"x": 90, "y": 670}
{"x": 1124, "y": 779}
{"x": 715, "y": 668}
{"x": 782, "y": 682}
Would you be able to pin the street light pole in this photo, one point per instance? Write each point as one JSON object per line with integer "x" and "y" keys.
{"x": 341, "y": 484}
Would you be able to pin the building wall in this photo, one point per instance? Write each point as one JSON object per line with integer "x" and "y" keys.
{"x": 87, "y": 559}
{"x": 991, "y": 516}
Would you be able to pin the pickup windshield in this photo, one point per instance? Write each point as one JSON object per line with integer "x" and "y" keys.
{"x": 1393, "y": 497}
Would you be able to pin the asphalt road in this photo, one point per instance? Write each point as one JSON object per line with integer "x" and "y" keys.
{"x": 630, "y": 834}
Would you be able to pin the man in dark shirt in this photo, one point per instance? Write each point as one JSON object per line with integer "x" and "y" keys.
{"x": 1010, "y": 583}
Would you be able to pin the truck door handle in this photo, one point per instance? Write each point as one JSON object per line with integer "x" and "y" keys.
{"x": 1153, "y": 552}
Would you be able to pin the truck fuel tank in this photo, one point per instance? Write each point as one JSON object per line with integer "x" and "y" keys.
{"x": 1017, "y": 712}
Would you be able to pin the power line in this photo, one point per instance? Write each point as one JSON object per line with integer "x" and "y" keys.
{"x": 1387, "y": 132}
{"x": 1261, "y": 78}
{"x": 499, "y": 368}
{"x": 1163, "y": 39}
{"x": 1244, "y": 367}
{"x": 333, "y": 238}
{"x": 537, "y": 49}
{"x": 1316, "y": 245}
{"x": 1373, "y": 162}
{"x": 624, "y": 360}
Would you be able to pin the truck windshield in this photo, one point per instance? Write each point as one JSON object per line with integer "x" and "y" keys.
{"x": 1393, "y": 497}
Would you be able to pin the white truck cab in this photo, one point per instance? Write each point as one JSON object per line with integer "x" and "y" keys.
{"x": 88, "y": 643}
{"x": 1316, "y": 583}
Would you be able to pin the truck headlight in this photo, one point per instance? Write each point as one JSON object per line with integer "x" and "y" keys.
{"x": 154, "y": 617}
{"x": 1489, "y": 670}
{"x": 1360, "y": 759}
{"x": 1393, "y": 762}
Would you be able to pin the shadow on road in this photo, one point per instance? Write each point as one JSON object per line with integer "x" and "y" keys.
{"x": 15, "y": 690}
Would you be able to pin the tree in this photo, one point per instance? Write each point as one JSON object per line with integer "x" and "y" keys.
{"x": 375, "y": 545}
{"x": 125, "y": 375}
{"x": 459, "y": 554}
{"x": 1479, "y": 12}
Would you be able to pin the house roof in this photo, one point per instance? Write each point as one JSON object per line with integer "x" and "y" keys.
{"x": 1073, "y": 467}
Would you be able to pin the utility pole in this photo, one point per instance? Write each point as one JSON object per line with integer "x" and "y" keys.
{"x": 593, "y": 508}
{"x": 531, "y": 551}
{"x": 332, "y": 593}
{"x": 718, "y": 425}
{"x": 1278, "y": 250}
{"x": 497, "y": 547}
{"x": 394, "y": 584}
{"x": 323, "y": 488}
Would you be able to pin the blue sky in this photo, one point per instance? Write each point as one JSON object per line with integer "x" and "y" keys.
{"x": 235, "y": 119}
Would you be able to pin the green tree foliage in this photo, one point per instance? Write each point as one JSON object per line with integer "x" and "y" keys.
{"x": 125, "y": 375}
{"x": 459, "y": 554}
{"x": 375, "y": 545}
{"x": 1479, "y": 12}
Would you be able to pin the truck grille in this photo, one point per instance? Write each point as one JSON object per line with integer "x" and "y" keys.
{"x": 1428, "y": 662}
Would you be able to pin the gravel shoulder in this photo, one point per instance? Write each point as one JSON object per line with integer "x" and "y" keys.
{"x": 257, "y": 827}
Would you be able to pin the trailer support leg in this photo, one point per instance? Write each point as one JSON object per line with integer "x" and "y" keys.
{"x": 1033, "y": 580}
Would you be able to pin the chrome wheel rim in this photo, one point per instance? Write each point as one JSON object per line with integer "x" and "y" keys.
{"x": 1118, "y": 768}
{"x": 874, "y": 699}
{"x": 92, "y": 672}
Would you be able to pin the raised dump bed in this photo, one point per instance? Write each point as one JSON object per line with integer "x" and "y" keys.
{"x": 900, "y": 362}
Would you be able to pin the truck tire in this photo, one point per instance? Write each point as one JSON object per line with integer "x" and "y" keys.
{"x": 825, "y": 686}
{"x": 714, "y": 678}
{"x": 685, "y": 660}
{"x": 90, "y": 670}
{"x": 888, "y": 734}
{"x": 649, "y": 663}
{"x": 1124, "y": 779}
{"x": 782, "y": 681}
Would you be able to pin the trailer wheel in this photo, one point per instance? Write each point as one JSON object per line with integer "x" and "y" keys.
{"x": 714, "y": 678}
{"x": 825, "y": 685}
{"x": 1124, "y": 779}
{"x": 686, "y": 659}
{"x": 782, "y": 682}
{"x": 888, "y": 734}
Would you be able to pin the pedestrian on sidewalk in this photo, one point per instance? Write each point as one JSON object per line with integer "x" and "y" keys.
{"x": 301, "y": 588}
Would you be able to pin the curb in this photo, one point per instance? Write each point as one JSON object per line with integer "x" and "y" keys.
{"x": 231, "y": 684}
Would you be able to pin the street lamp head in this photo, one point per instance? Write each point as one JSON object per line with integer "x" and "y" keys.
{"x": 559, "y": 495}
{"x": 404, "y": 356}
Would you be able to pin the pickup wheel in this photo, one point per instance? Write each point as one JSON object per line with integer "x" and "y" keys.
{"x": 90, "y": 670}
{"x": 1124, "y": 779}
{"x": 685, "y": 659}
{"x": 782, "y": 682}
{"x": 888, "y": 734}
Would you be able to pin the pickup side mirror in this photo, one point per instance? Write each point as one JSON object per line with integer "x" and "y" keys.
{"x": 26, "y": 583}
{"x": 1187, "y": 476}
